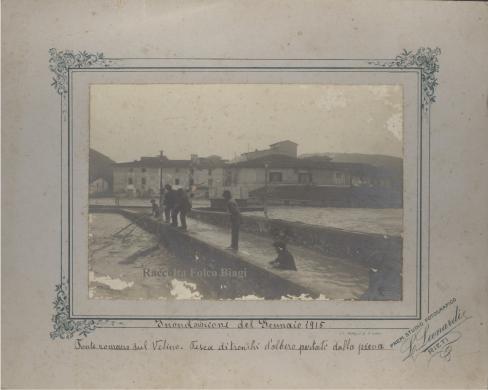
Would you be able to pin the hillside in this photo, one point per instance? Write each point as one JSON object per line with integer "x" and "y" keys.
{"x": 100, "y": 166}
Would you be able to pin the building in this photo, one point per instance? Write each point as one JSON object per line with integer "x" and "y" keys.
{"x": 242, "y": 177}
{"x": 100, "y": 172}
{"x": 276, "y": 173}
{"x": 282, "y": 148}
{"x": 141, "y": 178}
{"x": 99, "y": 186}
{"x": 317, "y": 181}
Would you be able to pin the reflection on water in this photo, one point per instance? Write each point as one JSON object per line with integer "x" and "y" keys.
{"x": 126, "y": 262}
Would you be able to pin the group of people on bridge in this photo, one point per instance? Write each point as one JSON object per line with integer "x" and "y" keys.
{"x": 177, "y": 203}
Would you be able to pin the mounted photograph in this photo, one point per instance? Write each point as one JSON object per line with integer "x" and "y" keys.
{"x": 246, "y": 192}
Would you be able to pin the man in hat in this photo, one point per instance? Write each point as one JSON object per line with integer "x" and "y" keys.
{"x": 285, "y": 259}
{"x": 235, "y": 219}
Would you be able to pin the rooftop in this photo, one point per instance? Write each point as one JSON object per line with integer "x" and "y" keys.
{"x": 287, "y": 141}
{"x": 157, "y": 162}
{"x": 282, "y": 161}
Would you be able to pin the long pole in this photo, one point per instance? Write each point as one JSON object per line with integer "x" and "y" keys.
{"x": 265, "y": 190}
{"x": 160, "y": 179}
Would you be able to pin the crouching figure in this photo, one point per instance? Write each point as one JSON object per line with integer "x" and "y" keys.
{"x": 285, "y": 259}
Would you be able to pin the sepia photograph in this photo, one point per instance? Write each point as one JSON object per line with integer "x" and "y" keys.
{"x": 202, "y": 194}
{"x": 245, "y": 192}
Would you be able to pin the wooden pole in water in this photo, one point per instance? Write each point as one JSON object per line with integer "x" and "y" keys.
{"x": 265, "y": 191}
{"x": 161, "y": 181}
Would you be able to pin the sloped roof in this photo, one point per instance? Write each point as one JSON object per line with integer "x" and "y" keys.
{"x": 284, "y": 161}
{"x": 283, "y": 142}
{"x": 273, "y": 161}
{"x": 277, "y": 161}
{"x": 157, "y": 162}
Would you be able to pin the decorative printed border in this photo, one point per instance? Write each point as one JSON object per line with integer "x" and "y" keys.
{"x": 424, "y": 58}
{"x": 64, "y": 326}
{"x": 60, "y": 62}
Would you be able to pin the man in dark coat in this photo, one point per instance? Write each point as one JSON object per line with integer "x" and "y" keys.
{"x": 285, "y": 259}
{"x": 235, "y": 219}
{"x": 385, "y": 278}
{"x": 183, "y": 206}
{"x": 169, "y": 203}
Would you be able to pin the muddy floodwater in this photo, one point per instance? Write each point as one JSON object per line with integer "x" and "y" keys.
{"x": 380, "y": 221}
{"x": 126, "y": 262}
{"x": 366, "y": 220}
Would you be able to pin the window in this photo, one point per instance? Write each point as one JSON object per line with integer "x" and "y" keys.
{"x": 227, "y": 177}
{"x": 131, "y": 169}
{"x": 275, "y": 177}
{"x": 339, "y": 178}
{"x": 143, "y": 181}
{"x": 210, "y": 171}
{"x": 177, "y": 181}
{"x": 304, "y": 178}
{"x": 129, "y": 180}
{"x": 143, "y": 169}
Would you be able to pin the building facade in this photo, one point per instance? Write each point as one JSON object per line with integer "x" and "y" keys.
{"x": 141, "y": 178}
{"x": 244, "y": 177}
{"x": 254, "y": 173}
{"x": 99, "y": 186}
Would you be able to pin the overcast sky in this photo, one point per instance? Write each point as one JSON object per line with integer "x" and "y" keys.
{"x": 130, "y": 121}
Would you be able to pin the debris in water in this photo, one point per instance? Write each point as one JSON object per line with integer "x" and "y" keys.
{"x": 251, "y": 297}
{"x": 113, "y": 284}
{"x": 303, "y": 297}
{"x": 184, "y": 290}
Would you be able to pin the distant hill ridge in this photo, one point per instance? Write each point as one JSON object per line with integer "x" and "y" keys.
{"x": 100, "y": 165}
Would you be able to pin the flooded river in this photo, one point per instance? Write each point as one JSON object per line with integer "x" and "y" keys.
{"x": 126, "y": 262}
{"x": 379, "y": 221}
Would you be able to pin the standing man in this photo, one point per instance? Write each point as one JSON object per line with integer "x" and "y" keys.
{"x": 183, "y": 206}
{"x": 169, "y": 203}
{"x": 235, "y": 219}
